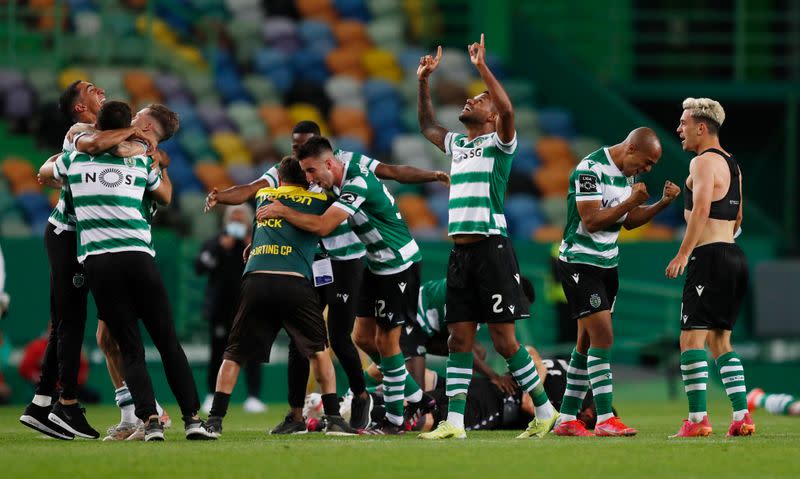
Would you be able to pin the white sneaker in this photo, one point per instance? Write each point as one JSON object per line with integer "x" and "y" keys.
{"x": 254, "y": 405}
{"x": 207, "y": 403}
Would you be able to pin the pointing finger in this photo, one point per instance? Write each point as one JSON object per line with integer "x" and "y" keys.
{"x": 481, "y": 39}
{"x": 439, "y": 53}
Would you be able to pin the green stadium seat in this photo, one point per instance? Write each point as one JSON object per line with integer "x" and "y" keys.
{"x": 261, "y": 89}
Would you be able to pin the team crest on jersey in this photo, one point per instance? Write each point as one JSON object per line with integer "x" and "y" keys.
{"x": 587, "y": 183}
{"x": 594, "y": 300}
{"x": 130, "y": 162}
{"x": 78, "y": 280}
{"x": 478, "y": 141}
{"x": 348, "y": 198}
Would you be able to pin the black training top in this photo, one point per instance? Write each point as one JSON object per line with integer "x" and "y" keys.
{"x": 727, "y": 207}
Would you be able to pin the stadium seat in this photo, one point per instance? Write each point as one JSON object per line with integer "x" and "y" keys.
{"x": 553, "y": 150}
{"x": 312, "y": 31}
{"x": 351, "y": 33}
{"x": 303, "y": 111}
{"x": 277, "y": 119}
{"x": 346, "y": 61}
{"x": 261, "y": 89}
{"x": 322, "y": 10}
{"x": 212, "y": 175}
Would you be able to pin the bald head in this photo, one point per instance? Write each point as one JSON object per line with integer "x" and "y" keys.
{"x": 639, "y": 152}
{"x": 645, "y": 140}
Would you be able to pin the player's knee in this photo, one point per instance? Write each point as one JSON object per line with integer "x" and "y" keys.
{"x": 458, "y": 342}
{"x": 506, "y": 347}
{"x": 364, "y": 341}
{"x": 105, "y": 342}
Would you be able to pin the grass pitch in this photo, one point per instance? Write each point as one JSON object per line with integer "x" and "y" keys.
{"x": 245, "y": 450}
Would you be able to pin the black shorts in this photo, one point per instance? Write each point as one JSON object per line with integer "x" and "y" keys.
{"x": 484, "y": 283}
{"x": 390, "y": 299}
{"x": 346, "y": 284}
{"x": 716, "y": 283}
{"x": 589, "y": 289}
{"x": 267, "y": 303}
{"x": 415, "y": 342}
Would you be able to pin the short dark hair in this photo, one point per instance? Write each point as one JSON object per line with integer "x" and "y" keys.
{"x": 711, "y": 125}
{"x": 306, "y": 126}
{"x": 165, "y": 117}
{"x": 114, "y": 115}
{"x": 290, "y": 172}
{"x": 68, "y": 98}
{"x": 527, "y": 288}
{"x": 315, "y": 146}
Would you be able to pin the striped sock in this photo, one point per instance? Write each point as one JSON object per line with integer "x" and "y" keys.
{"x": 731, "y": 372}
{"x": 599, "y": 369}
{"x": 459, "y": 375}
{"x": 694, "y": 369}
{"x": 412, "y": 390}
{"x": 577, "y": 386}
{"x": 524, "y": 372}
{"x": 778, "y": 403}
{"x": 394, "y": 379}
{"x": 124, "y": 401}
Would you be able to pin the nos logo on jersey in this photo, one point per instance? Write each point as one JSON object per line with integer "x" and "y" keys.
{"x": 109, "y": 177}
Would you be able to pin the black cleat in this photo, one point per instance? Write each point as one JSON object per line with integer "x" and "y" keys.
{"x": 290, "y": 426}
{"x": 73, "y": 419}
{"x": 35, "y": 417}
{"x": 214, "y": 425}
{"x": 153, "y": 430}
{"x": 360, "y": 410}
{"x": 425, "y": 405}
{"x": 197, "y": 430}
{"x": 384, "y": 428}
{"x": 337, "y": 426}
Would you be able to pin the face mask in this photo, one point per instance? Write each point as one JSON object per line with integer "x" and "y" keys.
{"x": 236, "y": 229}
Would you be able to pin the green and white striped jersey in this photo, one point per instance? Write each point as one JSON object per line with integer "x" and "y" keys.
{"x": 107, "y": 192}
{"x": 63, "y": 215}
{"x": 341, "y": 244}
{"x": 375, "y": 220}
{"x": 478, "y": 178}
{"x": 431, "y": 307}
{"x": 596, "y": 178}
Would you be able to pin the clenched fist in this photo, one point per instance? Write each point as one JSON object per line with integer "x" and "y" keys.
{"x": 639, "y": 194}
{"x": 671, "y": 191}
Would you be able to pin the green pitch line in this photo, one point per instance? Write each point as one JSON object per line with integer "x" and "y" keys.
{"x": 247, "y": 451}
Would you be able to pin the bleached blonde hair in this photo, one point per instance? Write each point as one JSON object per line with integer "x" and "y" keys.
{"x": 705, "y": 108}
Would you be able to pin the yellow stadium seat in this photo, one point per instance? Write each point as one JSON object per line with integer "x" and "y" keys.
{"x": 303, "y": 111}
{"x": 69, "y": 75}
{"x": 225, "y": 143}
{"x": 475, "y": 88}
